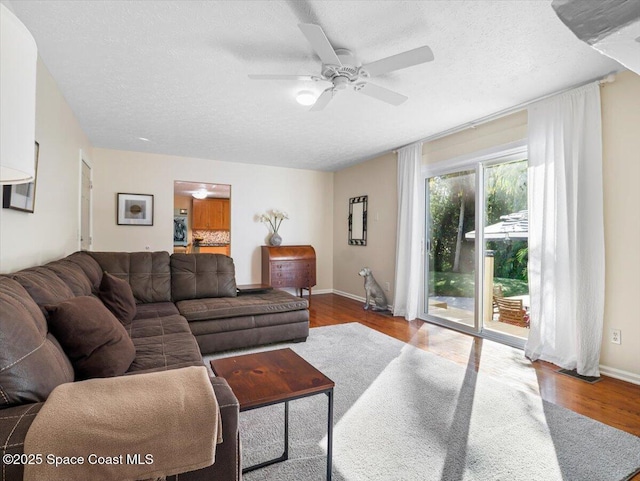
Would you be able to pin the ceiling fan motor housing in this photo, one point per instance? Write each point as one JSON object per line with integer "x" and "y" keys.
{"x": 348, "y": 70}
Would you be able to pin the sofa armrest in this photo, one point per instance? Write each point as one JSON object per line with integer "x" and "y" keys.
{"x": 14, "y": 424}
{"x": 227, "y": 465}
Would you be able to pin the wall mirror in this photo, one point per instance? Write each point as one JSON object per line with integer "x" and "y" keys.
{"x": 358, "y": 221}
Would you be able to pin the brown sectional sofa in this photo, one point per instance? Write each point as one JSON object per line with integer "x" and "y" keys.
{"x": 186, "y": 305}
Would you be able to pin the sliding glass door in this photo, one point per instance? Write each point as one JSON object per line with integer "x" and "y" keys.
{"x": 505, "y": 243}
{"x": 450, "y": 294}
{"x": 476, "y": 277}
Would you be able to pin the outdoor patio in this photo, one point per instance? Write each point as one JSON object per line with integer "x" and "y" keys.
{"x": 460, "y": 309}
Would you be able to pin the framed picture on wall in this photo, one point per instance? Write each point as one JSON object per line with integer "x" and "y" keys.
{"x": 22, "y": 196}
{"x": 135, "y": 209}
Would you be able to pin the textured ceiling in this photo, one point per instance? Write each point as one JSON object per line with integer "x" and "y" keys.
{"x": 175, "y": 72}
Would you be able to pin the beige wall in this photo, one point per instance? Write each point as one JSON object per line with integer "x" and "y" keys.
{"x": 307, "y": 196}
{"x": 621, "y": 173}
{"x": 52, "y": 231}
{"x": 377, "y": 179}
{"x": 498, "y": 132}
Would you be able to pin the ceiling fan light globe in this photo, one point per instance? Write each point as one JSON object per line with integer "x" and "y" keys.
{"x": 306, "y": 98}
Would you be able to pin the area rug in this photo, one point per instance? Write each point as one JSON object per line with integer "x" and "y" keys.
{"x": 405, "y": 414}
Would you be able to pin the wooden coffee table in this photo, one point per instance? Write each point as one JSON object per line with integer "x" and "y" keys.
{"x": 274, "y": 377}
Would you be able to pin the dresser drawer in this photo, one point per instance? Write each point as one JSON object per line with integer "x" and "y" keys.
{"x": 289, "y": 266}
{"x": 292, "y": 266}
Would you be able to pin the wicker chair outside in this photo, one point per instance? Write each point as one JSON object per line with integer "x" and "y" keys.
{"x": 511, "y": 311}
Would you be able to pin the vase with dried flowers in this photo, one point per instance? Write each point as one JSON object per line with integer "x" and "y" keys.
{"x": 273, "y": 219}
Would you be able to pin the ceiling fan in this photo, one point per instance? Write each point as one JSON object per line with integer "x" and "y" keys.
{"x": 342, "y": 69}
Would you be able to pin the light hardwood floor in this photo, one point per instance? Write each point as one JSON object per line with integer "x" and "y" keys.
{"x": 610, "y": 401}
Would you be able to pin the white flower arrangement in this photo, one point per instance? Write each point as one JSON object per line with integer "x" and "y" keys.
{"x": 274, "y": 218}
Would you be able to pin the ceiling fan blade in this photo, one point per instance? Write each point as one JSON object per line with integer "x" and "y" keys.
{"x": 381, "y": 93}
{"x": 283, "y": 77}
{"x": 402, "y": 60}
{"x": 318, "y": 40}
{"x": 323, "y": 100}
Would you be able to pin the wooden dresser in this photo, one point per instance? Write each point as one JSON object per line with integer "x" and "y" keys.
{"x": 289, "y": 266}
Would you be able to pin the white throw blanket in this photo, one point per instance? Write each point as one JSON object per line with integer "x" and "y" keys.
{"x": 126, "y": 428}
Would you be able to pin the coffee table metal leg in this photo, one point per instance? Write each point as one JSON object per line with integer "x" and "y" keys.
{"x": 329, "y": 434}
{"x": 285, "y": 455}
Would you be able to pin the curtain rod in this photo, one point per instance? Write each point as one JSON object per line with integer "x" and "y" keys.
{"x": 609, "y": 78}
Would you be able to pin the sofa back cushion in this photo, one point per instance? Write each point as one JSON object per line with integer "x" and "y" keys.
{"x": 31, "y": 360}
{"x": 72, "y": 275}
{"x": 89, "y": 266}
{"x": 43, "y": 285}
{"x": 147, "y": 273}
{"x": 195, "y": 276}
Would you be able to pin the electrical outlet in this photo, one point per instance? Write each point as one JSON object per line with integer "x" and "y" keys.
{"x": 616, "y": 336}
{"x": 387, "y": 286}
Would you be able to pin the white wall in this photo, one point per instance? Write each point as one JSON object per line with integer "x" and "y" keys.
{"x": 52, "y": 231}
{"x": 307, "y": 196}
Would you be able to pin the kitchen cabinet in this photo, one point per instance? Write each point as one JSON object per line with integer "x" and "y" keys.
{"x": 211, "y": 214}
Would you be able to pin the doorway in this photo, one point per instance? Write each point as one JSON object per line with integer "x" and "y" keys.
{"x": 476, "y": 277}
{"x": 202, "y": 218}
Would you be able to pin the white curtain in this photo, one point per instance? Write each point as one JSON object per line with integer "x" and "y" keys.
{"x": 410, "y": 233}
{"x": 566, "y": 230}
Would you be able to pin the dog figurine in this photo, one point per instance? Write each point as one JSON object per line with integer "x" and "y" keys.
{"x": 375, "y": 295}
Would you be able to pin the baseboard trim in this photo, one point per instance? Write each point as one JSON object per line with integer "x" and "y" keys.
{"x": 350, "y": 296}
{"x": 620, "y": 374}
{"x": 357, "y": 298}
{"x": 321, "y": 291}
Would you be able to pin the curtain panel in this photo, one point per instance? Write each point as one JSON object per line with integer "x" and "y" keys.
{"x": 409, "y": 233}
{"x": 566, "y": 230}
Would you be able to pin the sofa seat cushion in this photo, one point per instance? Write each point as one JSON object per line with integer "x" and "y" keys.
{"x": 158, "y": 326}
{"x": 269, "y": 302}
{"x": 156, "y": 309}
{"x": 169, "y": 351}
{"x": 163, "y": 343}
{"x": 32, "y": 362}
{"x": 92, "y": 337}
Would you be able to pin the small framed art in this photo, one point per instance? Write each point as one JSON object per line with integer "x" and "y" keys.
{"x": 22, "y": 196}
{"x": 135, "y": 209}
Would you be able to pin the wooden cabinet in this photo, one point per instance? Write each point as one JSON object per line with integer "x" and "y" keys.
{"x": 226, "y": 250}
{"x": 289, "y": 266}
{"x": 211, "y": 214}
